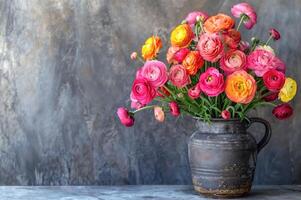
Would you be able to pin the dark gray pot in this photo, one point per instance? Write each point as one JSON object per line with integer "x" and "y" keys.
{"x": 222, "y": 157}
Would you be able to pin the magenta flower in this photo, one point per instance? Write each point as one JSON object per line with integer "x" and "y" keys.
{"x": 247, "y": 10}
{"x": 194, "y": 92}
{"x": 142, "y": 91}
{"x": 192, "y": 17}
{"x": 124, "y": 116}
{"x": 174, "y": 109}
{"x": 180, "y": 55}
{"x": 212, "y": 82}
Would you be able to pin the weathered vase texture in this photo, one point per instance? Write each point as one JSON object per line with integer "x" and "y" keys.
{"x": 223, "y": 157}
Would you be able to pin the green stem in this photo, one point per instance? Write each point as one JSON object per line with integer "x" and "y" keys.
{"x": 173, "y": 94}
{"x": 240, "y": 22}
{"x": 144, "y": 108}
{"x": 267, "y": 42}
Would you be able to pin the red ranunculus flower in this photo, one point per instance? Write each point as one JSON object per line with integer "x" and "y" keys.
{"x": 275, "y": 34}
{"x": 142, "y": 91}
{"x": 274, "y": 80}
{"x": 125, "y": 118}
{"x": 283, "y": 111}
{"x": 226, "y": 114}
{"x": 271, "y": 97}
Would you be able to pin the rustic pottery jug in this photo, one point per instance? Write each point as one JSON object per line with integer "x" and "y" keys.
{"x": 222, "y": 156}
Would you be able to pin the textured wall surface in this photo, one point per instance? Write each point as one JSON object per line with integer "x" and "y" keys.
{"x": 65, "y": 68}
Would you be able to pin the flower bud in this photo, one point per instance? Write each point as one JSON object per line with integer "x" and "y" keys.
{"x": 226, "y": 114}
{"x": 159, "y": 114}
{"x": 134, "y": 55}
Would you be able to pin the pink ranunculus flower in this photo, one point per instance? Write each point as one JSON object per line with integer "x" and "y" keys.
{"x": 135, "y": 104}
{"x": 212, "y": 82}
{"x": 180, "y": 55}
{"x": 233, "y": 60}
{"x": 155, "y": 73}
{"x": 260, "y": 61}
{"x": 245, "y": 9}
{"x": 192, "y": 17}
{"x": 139, "y": 73}
{"x": 194, "y": 92}
{"x": 125, "y": 118}
{"x": 174, "y": 108}
{"x": 279, "y": 65}
{"x": 142, "y": 91}
{"x": 178, "y": 76}
{"x": 210, "y": 47}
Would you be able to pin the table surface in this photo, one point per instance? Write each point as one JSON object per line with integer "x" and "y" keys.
{"x": 161, "y": 192}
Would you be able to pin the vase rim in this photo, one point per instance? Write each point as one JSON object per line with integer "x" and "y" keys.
{"x": 223, "y": 120}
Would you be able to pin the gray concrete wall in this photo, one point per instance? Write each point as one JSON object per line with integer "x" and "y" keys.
{"x": 65, "y": 68}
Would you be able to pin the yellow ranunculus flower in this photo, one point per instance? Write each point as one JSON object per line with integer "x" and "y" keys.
{"x": 288, "y": 91}
{"x": 151, "y": 48}
{"x": 181, "y": 36}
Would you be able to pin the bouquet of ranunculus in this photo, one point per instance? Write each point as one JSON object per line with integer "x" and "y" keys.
{"x": 212, "y": 72}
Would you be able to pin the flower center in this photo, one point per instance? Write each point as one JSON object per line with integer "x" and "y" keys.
{"x": 209, "y": 79}
{"x": 274, "y": 78}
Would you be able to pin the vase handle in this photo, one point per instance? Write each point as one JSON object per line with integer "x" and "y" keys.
{"x": 267, "y": 135}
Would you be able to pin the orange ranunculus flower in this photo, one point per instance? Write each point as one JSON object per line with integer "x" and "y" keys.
{"x": 219, "y": 22}
{"x": 240, "y": 87}
{"x": 151, "y": 47}
{"x": 181, "y": 36}
{"x": 193, "y": 62}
